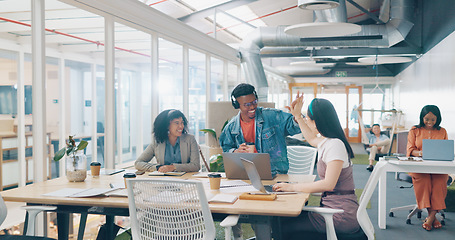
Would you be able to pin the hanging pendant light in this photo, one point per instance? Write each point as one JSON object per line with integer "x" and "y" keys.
{"x": 318, "y": 4}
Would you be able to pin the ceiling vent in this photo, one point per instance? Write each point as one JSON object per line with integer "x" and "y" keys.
{"x": 327, "y": 23}
{"x": 318, "y": 4}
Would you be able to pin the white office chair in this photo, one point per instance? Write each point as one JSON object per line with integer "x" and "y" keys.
{"x": 172, "y": 208}
{"x": 32, "y": 212}
{"x": 301, "y": 159}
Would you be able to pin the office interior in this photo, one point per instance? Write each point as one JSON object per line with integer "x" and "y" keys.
{"x": 102, "y": 70}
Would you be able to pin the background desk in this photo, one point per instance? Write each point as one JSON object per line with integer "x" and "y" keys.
{"x": 379, "y": 176}
{"x": 284, "y": 205}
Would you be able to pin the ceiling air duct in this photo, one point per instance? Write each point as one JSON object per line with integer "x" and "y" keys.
{"x": 318, "y": 4}
{"x": 393, "y": 32}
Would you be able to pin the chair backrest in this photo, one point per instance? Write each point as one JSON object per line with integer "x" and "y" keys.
{"x": 169, "y": 209}
{"x": 301, "y": 159}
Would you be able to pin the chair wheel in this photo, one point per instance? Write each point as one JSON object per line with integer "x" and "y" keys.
{"x": 419, "y": 215}
{"x": 408, "y": 221}
{"x": 390, "y": 214}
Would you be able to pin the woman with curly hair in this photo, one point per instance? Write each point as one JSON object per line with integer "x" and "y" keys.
{"x": 172, "y": 148}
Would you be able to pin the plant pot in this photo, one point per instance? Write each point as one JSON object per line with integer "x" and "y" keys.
{"x": 76, "y": 167}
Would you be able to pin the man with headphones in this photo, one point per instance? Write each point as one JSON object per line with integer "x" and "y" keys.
{"x": 257, "y": 129}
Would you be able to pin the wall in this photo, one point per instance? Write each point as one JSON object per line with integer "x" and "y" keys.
{"x": 430, "y": 80}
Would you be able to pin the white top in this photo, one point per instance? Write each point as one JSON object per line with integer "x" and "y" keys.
{"x": 331, "y": 149}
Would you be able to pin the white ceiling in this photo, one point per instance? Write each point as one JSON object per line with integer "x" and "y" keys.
{"x": 77, "y": 30}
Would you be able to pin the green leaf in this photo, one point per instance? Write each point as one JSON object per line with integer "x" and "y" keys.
{"x": 224, "y": 125}
{"x": 83, "y": 144}
{"x": 216, "y": 163}
{"x": 59, "y": 154}
{"x": 209, "y": 131}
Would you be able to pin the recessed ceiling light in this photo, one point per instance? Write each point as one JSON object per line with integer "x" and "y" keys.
{"x": 322, "y": 29}
{"x": 384, "y": 60}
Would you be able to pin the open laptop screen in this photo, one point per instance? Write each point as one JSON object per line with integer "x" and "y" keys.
{"x": 234, "y": 168}
{"x": 437, "y": 149}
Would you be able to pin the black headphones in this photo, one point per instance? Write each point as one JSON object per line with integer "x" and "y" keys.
{"x": 236, "y": 104}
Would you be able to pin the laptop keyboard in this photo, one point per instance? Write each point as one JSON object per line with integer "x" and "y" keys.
{"x": 268, "y": 188}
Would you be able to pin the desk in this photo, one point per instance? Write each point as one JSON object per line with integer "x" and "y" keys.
{"x": 379, "y": 176}
{"x": 284, "y": 205}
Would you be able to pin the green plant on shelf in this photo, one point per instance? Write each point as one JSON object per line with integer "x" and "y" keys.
{"x": 212, "y": 133}
{"x": 216, "y": 163}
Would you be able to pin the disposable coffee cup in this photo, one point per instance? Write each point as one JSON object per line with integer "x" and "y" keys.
{"x": 95, "y": 168}
{"x": 128, "y": 176}
{"x": 215, "y": 180}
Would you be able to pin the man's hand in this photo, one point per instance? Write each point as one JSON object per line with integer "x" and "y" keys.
{"x": 243, "y": 148}
{"x": 166, "y": 168}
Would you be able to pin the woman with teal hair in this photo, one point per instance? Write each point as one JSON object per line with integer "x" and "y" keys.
{"x": 322, "y": 129}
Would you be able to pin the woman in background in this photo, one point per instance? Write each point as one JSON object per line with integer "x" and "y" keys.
{"x": 173, "y": 148}
{"x": 322, "y": 129}
{"x": 430, "y": 189}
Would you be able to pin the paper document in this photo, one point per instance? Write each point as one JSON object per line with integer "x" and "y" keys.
{"x": 156, "y": 173}
{"x": 223, "y": 198}
{"x": 416, "y": 159}
{"x": 78, "y": 192}
{"x": 233, "y": 183}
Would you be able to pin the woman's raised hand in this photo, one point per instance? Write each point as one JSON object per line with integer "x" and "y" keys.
{"x": 296, "y": 106}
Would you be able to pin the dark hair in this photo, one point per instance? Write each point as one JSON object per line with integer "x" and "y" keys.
{"x": 324, "y": 115}
{"x": 162, "y": 122}
{"x": 242, "y": 89}
{"x": 375, "y": 125}
{"x": 427, "y": 109}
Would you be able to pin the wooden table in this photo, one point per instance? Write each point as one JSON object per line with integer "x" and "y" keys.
{"x": 259, "y": 212}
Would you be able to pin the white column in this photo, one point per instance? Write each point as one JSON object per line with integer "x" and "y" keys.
{"x": 225, "y": 81}
{"x": 21, "y": 120}
{"x": 185, "y": 81}
{"x": 109, "y": 149}
{"x": 119, "y": 116}
{"x": 138, "y": 117}
{"x": 155, "y": 79}
{"x": 94, "y": 116}
{"x": 39, "y": 92}
{"x": 208, "y": 81}
{"x": 62, "y": 118}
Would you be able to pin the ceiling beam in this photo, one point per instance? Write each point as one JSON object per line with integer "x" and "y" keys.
{"x": 209, "y": 11}
{"x": 371, "y": 15}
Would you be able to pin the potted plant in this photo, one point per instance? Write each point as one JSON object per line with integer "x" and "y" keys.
{"x": 215, "y": 150}
{"x": 76, "y": 161}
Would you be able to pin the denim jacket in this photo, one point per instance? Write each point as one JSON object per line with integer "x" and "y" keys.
{"x": 272, "y": 126}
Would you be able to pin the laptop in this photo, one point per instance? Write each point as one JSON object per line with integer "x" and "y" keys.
{"x": 255, "y": 179}
{"x": 234, "y": 168}
{"x": 437, "y": 150}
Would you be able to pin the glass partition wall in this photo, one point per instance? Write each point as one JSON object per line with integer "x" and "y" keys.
{"x": 149, "y": 77}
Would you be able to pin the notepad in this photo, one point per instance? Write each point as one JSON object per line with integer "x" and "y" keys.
{"x": 223, "y": 198}
{"x": 156, "y": 173}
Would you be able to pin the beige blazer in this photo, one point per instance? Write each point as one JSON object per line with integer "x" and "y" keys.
{"x": 153, "y": 156}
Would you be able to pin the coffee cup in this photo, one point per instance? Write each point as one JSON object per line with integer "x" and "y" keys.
{"x": 95, "y": 168}
{"x": 215, "y": 180}
{"x": 128, "y": 176}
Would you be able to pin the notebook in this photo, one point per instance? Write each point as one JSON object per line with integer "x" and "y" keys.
{"x": 234, "y": 168}
{"x": 253, "y": 175}
{"x": 437, "y": 149}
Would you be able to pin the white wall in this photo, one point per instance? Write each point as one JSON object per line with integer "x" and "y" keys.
{"x": 430, "y": 80}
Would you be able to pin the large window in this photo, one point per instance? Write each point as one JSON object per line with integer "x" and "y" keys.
{"x": 197, "y": 94}
{"x": 216, "y": 80}
{"x": 170, "y": 75}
